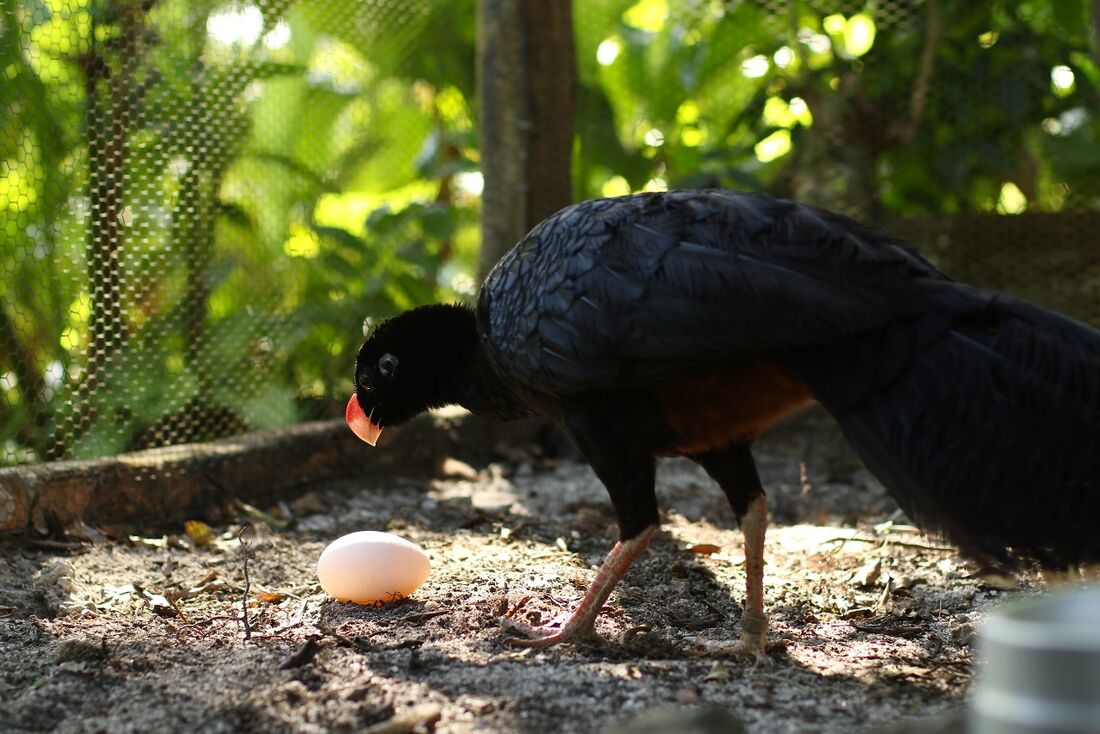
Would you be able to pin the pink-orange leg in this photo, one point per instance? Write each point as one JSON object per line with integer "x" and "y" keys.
{"x": 580, "y": 623}
{"x": 754, "y": 625}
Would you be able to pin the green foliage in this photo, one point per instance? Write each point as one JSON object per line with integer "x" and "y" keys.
{"x": 281, "y": 175}
{"x": 699, "y": 94}
{"x": 284, "y": 171}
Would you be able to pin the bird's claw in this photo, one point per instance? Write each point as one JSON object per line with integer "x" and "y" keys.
{"x": 539, "y": 637}
{"x": 757, "y": 647}
{"x": 534, "y": 642}
{"x": 754, "y": 641}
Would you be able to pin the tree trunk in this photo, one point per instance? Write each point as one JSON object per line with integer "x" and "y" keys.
{"x": 526, "y": 70}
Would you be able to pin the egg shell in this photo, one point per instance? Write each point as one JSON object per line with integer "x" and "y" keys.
{"x": 368, "y": 567}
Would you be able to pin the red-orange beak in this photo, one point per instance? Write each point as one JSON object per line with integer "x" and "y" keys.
{"x": 360, "y": 423}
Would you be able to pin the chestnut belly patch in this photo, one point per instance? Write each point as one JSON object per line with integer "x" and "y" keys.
{"x": 730, "y": 406}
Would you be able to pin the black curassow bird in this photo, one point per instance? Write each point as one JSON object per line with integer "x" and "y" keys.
{"x": 684, "y": 323}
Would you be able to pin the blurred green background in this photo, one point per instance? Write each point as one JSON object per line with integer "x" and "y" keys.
{"x": 201, "y": 201}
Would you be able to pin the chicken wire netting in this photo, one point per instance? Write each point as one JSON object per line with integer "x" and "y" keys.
{"x": 185, "y": 193}
{"x": 201, "y": 201}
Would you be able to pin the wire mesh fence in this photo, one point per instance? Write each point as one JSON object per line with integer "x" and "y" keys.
{"x": 184, "y": 190}
{"x": 201, "y": 201}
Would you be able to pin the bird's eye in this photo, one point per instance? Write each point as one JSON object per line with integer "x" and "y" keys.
{"x": 364, "y": 382}
{"x": 387, "y": 365}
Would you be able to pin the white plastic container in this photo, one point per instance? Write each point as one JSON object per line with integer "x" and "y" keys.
{"x": 1042, "y": 667}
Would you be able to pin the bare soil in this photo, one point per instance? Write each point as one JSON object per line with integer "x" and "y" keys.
{"x": 144, "y": 632}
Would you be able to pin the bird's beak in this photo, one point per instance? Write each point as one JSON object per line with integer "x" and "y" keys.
{"x": 360, "y": 423}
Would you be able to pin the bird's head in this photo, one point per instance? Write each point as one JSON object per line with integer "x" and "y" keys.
{"x": 407, "y": 366}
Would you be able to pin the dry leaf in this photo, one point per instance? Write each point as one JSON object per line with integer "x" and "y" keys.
{"x": 868, "y": 574}
{"x": 705, "y": 549}
{"x": 718, "y": 672}
{"x": 152, "y": 543}
{"x": 199, "y": 532}
{"x": 857, "y": 613}
{"x": 456, "y": 469}
{"x": 81, "y": 532}
{"x": 159, "y": 604}
{"x": 270, "y": 597}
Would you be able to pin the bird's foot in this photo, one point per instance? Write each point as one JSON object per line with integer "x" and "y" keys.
{"x": 580, "y": 623}
{"x": 754, "y": 641}
{"x": 572, "y": 630}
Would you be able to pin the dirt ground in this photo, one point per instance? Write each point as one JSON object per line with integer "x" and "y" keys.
{"x": 144, "y": 632}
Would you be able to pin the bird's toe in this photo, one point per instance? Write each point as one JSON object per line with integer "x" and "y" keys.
{"x": 533, "y": 636}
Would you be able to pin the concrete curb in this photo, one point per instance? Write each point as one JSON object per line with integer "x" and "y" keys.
{"x": 177, "y": 482}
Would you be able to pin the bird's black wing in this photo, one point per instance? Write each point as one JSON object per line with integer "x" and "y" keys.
{"x": 615, "y": 293}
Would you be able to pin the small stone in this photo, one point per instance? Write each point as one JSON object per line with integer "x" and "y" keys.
{"x": 80, "y": 650}
{"x": 309, "y": 503}
{"x": 294, "y": 691}
{"x": 55, "y": 586}
{"x": 962, "y": 635}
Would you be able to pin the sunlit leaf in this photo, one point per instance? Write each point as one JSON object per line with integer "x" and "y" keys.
{"x": 859, "y": 34}
{"x": 774, "y": 146}
{"x": 647, "y": 15}
{"x": 1011, "y": 199}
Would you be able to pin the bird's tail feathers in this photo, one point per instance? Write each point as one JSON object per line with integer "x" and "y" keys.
{"x": 982, "y": 418}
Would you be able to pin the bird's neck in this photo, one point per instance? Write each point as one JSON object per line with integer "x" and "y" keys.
{"x": 486, "y": 392}
{"x": 468, "y": 377}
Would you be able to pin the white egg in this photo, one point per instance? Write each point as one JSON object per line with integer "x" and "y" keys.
{"x": 369, "y": 567}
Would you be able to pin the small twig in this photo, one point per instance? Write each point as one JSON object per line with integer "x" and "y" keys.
{"x": 907, "y": 631}
{"x": 701, "y": 623}
{"x": 176, "y": 608}
{"x": 54, "y": 544}
{"x": 887, "y": 541}
{"x": 632, "y": 632}
{"x": 713, "y": 607}
{"x": 421, "y": 616}
{"x": 841, "y": 541}
{"x": 922, "y": 546}
{"x": 245, "y": 548}
{"x": 518, "y": 605}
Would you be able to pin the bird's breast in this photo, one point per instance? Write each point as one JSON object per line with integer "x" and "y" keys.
{"x": 730, "y": 406}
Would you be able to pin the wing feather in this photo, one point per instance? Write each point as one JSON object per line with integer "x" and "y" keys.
{"x": 618, "y": 292}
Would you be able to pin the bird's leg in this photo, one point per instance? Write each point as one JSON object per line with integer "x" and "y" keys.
{"x": 603, "y": 433}
{"x": 754, "y": 625}
{"x": 580, "y": 622}
{"x": 735, "y": 472}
